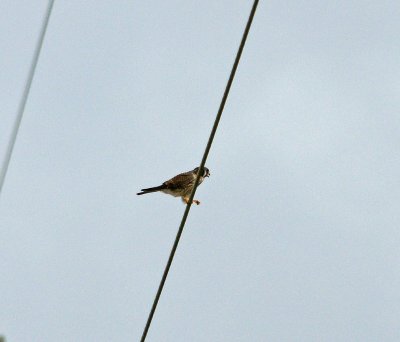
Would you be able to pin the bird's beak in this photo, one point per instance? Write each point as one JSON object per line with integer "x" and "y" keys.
{"x": 208, "y": 174}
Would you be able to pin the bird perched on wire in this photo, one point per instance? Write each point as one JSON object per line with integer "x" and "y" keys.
{"x": 180, "y": 185}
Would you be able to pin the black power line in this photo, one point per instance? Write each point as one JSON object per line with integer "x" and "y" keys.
{"x": 22, "y": 104}
{"x": 203, "y": 161}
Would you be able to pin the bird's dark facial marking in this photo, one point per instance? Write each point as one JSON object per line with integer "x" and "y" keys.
{"x": 205, "y": 173}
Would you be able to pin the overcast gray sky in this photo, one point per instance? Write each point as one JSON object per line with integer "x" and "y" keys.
{"x": 297, "y": 237}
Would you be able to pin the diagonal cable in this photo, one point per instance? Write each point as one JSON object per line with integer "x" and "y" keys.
{"x": 22, "y": 104}
{"x": 203, "y": 161}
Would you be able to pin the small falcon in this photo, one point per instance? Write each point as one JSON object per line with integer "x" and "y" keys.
{"x": 180, "y": 185}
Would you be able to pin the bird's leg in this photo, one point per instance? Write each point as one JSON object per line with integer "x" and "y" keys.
{"x": 186, "y": 200}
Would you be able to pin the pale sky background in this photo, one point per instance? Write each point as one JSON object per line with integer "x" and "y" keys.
{"x": 298, "y": 234}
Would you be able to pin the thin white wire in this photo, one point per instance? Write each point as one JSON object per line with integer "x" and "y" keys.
{"x": 25, "y": 94}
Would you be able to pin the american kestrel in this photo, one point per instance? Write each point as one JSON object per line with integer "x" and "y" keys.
{"x": 180, "y": 185}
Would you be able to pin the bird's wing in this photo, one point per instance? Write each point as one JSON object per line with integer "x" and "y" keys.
{"x": 180, "y": 181}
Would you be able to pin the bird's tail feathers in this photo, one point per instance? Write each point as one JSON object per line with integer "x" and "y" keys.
{"x": 150, "y": 190}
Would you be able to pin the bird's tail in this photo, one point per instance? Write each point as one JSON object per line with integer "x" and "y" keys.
{"x": 149, "y": 190}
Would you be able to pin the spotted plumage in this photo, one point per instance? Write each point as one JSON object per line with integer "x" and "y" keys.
{"x": 180, "y": 185}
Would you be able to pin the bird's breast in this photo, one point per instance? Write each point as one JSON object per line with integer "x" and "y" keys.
{"x": 175, "y": 193}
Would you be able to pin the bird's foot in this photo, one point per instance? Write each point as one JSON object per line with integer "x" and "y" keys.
{"x": 186, "y": 200}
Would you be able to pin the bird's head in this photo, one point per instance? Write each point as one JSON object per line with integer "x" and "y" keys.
{"x": 205, "y": 173}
